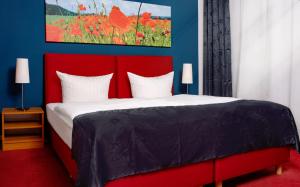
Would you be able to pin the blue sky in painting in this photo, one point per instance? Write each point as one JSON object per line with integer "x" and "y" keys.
{"x": 128, "y": 7}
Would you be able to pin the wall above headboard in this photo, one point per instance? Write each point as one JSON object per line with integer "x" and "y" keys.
{"x": 23, "y": 35}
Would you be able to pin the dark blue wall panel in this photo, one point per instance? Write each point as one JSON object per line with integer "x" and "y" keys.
{"x": 22, "y": 34}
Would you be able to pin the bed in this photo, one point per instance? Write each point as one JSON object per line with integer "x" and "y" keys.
{"x": 196, "y": 174}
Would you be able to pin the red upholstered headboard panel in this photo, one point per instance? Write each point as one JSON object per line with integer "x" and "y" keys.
{"x": 146, "y": 66}
{"x": 77, "y": 64}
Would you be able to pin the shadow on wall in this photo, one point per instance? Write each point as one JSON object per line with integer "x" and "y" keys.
{"x": 13, "y": 89}
{"x": 182, "y": 87}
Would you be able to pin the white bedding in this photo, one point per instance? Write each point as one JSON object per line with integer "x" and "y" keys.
{"x": 61, "y": 115}
{"x": 62, "y": 126}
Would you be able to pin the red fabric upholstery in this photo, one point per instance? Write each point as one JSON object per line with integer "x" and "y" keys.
{"x": 147, "y": 66}
{"x": 188, "y": 176}
{"x": 64, "y": 153}
{"x": 86, "y": 65}
{"x": 241, "y": 164}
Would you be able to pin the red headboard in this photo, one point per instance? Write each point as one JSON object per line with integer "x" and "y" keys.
{"x": 92, "y": 65}
{"x": 147, "y": 66}
{"x": 86, "y": 65}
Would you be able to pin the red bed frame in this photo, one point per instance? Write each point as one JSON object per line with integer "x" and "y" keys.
{"x": 188, "y": 176}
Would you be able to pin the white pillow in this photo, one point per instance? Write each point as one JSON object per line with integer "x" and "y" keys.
{"x": 84, "y": 89}
{"x": 151, "y": 87}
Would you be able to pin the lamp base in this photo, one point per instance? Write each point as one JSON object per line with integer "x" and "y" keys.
{"x": 22, "y": 109}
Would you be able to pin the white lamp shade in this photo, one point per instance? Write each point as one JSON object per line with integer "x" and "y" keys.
{"x": 22, "y": 71}
{"x": 187, "y": 74}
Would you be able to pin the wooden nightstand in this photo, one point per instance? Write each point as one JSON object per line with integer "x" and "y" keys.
{"x": 22, "y": 129}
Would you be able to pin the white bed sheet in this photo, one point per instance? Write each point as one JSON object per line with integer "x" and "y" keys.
{"x": 60, "y": 125}
{"x": 61, "y": 115}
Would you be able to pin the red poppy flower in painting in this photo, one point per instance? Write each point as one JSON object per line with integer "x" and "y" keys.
{"x": 106, "y": 28}
{"x": 118, "y": 41}
{"x": 54, "y": 33}
{"x": 151, "y": 23}
{"x": 118, "y": 19}
{"x": 167, "y": 32}
{"x": 146, "y": 16}
{"x": 96, "y": 32}
{"x": 76, "y": 31}
{"x": 140, "y": 35}
{"x": 89, "y": 27}
{"x": 81, "y": 7}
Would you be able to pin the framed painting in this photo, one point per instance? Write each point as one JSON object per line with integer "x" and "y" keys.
{"x": 116, "y": 22}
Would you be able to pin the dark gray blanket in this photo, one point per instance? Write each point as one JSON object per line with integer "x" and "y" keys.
{"x": 111, "y": 144}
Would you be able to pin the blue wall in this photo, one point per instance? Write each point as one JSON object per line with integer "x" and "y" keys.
{"x": 22, "y": 35}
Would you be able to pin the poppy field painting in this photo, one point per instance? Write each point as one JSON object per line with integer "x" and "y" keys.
{"x": 115, "y": 22}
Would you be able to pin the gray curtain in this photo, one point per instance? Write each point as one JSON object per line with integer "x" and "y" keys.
{"x": 217, "y": 48}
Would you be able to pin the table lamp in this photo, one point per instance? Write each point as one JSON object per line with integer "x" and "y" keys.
{"x": 22, "y": 76}
{"x": 187, "y": 75}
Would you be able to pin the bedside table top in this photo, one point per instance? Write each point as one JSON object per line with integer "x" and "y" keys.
{"x": 32, "y": 110}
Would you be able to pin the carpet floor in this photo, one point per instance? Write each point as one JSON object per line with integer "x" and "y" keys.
{"x": 41, "y": 168}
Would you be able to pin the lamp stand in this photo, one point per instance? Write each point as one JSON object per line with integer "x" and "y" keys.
{"x": 187, "y": 88}
{"x": 22, "y": 106}
{"x": 22, "y": 96}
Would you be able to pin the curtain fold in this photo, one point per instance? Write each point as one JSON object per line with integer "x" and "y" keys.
{"x": 266, "y": 51}
{"x": 217, "y": 48}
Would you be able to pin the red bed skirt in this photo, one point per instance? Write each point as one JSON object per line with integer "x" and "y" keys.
{"x": 191, "y": 175}
{"x": 244, "y": 163}
{"x": 187, "y": 176}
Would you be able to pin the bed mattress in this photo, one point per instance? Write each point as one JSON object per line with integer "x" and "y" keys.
{"x": 62, "y": 126}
